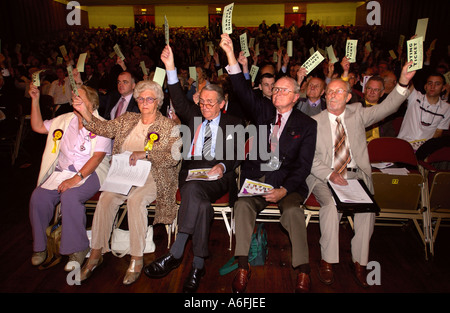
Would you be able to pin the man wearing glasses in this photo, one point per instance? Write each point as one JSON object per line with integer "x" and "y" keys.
{"x": 291, "y": 137}
{"x": 373, "y": 91}
{"x": 427, "y": 115}
{"x": 341, "y": 154}
{"x": 211, "y": 144}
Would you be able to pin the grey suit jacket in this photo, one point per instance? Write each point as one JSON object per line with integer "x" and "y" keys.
{"x": 356, "y": 119}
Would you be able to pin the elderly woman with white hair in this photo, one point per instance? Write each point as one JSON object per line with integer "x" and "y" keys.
{"x": 149, "y": 136}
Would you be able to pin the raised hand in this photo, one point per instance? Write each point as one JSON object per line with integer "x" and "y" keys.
{"x": 34, "y": 92}
{"x": 405, "y": 76}
{"x": 227, "y": 45}
{"x": 167, "y": 58}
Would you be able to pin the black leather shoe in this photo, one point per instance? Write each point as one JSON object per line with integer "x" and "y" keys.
{"x": 162, "y": 266}
{"x": 193, "y": 280}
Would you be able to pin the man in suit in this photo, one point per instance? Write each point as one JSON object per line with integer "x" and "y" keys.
{"x": 90, "y": 77}
{"x": 211, "y": 143}
{"x": 350, "y": 160}
{"x": 294, "y": 135}
{"x": 313, "y": 103}
{"x": 122, "y": 100}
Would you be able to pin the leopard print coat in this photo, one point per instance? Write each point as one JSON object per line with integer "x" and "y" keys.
{"x": 165, "y": 156}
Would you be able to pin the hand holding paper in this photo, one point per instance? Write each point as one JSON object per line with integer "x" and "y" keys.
{"x": 227, "y": 19}
{"x": 351, "y": 49}
{"x": 313, "y": 61}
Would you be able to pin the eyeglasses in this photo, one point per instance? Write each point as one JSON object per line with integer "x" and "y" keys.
{"x": 283, "y": 91}
{"x": 338, "y": 91}
{"x": 369, "y": 89}
{"x": 207, "y": 103}
{"x": 149, "y": 100}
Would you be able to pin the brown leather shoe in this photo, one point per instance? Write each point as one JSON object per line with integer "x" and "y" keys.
{"x": 360, "y": 274}
{"x": 326, "y": 275}
{"x": 240, "y": 281}
{"x": 303, "y": 283}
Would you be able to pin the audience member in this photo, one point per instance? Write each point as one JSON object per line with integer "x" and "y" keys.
{"x": 294, "y": 135}
{"x": 132, "y": 132}
{"x": 122, "y": 100}
{"x": 427, "y": 115}
{"x": 61, "y": 92}
{"x": 313, "y": 103}
{"x": 70, "y": 147}
{"x": 209, "y": 147}
{"x": 350, "y": 160}
{"x": 373, "y": 91}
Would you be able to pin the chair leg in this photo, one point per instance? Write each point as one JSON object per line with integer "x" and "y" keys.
{"x": 308, "y": 217}
{"x": 350, "y": 221}
{"x": 124, "y": 213}
{"x": 436, "y": 228}
{"x": 169, "y": 235}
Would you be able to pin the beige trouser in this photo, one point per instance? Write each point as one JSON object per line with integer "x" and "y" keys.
{"x": 106, "y": 211}
{"x": 329, "y": 227}
{"x": 246, "y": 210}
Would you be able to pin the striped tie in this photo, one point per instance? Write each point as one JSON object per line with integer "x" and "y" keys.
{"x": 341, "y": 152}
{"x": 207, "y": 141}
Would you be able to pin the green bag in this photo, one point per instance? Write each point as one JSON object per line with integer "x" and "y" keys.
{"x": 257, "y": 253}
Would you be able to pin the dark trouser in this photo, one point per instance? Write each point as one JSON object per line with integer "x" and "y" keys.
{"x": 196, "y": 212}
{"x": 292, "y": 219}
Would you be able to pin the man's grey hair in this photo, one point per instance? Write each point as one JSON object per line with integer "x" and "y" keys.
{"x": 217, "y": 89}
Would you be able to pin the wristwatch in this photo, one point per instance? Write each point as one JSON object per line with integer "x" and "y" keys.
{"x": 79, "y": 174}
{"x": 403, "y": 85}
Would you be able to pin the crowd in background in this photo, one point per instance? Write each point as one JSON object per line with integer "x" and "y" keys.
{"x": 190, "y": 46}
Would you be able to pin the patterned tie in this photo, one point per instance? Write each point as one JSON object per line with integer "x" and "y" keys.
{"x": 120, "y": 107}
{"x": 274, "y": 136}
{"x": 341, "y": 152}
{"x": 207, "y": 141}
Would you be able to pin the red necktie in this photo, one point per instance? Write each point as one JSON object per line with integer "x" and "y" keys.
{"x": 274, "y": 136}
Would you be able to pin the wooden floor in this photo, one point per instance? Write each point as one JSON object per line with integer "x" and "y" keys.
{"x": 398, "y": 250}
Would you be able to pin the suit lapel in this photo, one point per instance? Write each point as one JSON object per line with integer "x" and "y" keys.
{"x": 325, "y": 130}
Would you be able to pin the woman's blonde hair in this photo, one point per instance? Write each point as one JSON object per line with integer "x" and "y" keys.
{"x": 92, "y": 96}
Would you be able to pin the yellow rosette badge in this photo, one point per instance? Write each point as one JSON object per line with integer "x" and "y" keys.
{"x": 152, "y": 138}
{"x": 57, "y": 135}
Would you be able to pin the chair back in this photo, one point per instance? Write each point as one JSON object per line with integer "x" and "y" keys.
{"x": 441, "y": 155}
{"x": 391, "y": 149}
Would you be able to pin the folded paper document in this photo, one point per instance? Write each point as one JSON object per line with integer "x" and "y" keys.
{"x": 122, "y": 176}
{"x": 254, "y": 188}
{"x": 201, "y": 174}
{"x": 351, "y": 193}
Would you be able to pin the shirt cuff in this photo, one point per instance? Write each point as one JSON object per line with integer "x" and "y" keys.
{"x": 401, "y": 90}
{"x": 233, "y": 69}
{"x": 172, "y": 77}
